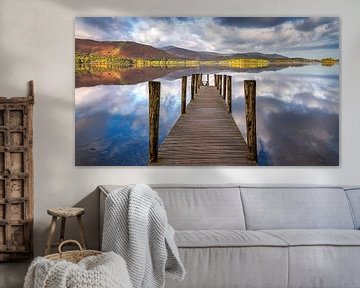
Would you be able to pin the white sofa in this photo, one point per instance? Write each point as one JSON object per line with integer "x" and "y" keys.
{"x": 263, "y": 237}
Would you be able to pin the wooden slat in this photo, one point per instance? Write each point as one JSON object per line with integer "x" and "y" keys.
{"x": 13, "y": 248}
{"x": 206, "y": 135}
{"x": 13, "y": 200}
{"x": 13, "y": 222}
{"x": 16, "y": 177}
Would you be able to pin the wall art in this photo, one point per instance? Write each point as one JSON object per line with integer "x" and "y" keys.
{"x": 208, "y": 91}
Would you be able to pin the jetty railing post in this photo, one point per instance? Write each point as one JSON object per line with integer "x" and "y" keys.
{"x": 250, "y": 104}
{"x": 183, "y": 94}
{"x": 208, "y": 79}
{"x": 196, "y": 83}
{"x": 224, "y": 87}
{"x": 229, "y": 93}
{"x": 216, "y": 81}
{"x": 192, "y": 87}
{"x": 154, "y": 115}
{"x": 220, "y": 84}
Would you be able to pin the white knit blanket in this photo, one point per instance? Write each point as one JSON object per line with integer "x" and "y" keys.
{"x": 136, "y": 227}
{"x": 103, "y": 271}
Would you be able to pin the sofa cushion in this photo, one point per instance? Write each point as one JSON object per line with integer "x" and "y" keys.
{"x": 226, "y": 238}
{"x": 324, "y": 266}
{"x": 191, "y": 207}
{"x": 204, "y": 208}
{"x": 322, "y": 258}
{"x": 224, "y": 267}
{"x": 317, "y": 237}
{"x": 354, "y": 198}
{"x": 296, "y": 208}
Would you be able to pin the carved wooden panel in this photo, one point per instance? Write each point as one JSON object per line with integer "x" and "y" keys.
{"x": 16, "y": 177}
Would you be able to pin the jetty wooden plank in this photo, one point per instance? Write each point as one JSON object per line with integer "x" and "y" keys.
{"x": 206, "y": 135}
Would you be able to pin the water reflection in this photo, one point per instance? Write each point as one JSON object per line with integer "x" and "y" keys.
{"x": 112, "y": 122}
{"x": 93, "y": 75}
{"x": 297, "y": 116}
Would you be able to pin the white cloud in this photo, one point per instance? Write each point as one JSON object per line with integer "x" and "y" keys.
{"x": 208, "y": 34}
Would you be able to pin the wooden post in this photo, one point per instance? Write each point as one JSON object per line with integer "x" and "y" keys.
{"x": 224, "y": 87}
{"x": 154, "y": 113}
{"x": 250, "y": 104}
{"x": 199, "y": 80}
{"x": 31, "y": 92}
{"x": 220, "y": 84}
{"x": 82, "y": 231}
{"x": 195, "y": 84}
{"x": 229, "y": 93}
{"x": 192, "y": 87}
{"x": 51, "y": 235}
{"x": 215, "y": 81}
{"x": 208, "y": 79}
{"x": 183, "y": 94}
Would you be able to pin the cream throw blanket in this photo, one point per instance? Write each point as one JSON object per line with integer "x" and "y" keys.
{"x": 136, "y": 227}
{"x": 103, "y": 271}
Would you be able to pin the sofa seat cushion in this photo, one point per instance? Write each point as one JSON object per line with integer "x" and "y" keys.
{"x": 296, "y": 208}
{"x": 317, "y": 237}
{"x": 203, "y": 208}
{"x": 225, "y": 238}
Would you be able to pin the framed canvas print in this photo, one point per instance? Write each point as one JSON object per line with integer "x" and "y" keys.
{"x": 207, "y": 91}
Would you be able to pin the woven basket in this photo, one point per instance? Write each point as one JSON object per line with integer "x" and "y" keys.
{"x": 72, "y": 256}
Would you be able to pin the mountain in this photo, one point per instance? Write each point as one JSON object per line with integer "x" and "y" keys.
{"x": 133, "y": 50}
{"x": 205, "y": 55}
{"x": 190, "y": 54}
{"x": 125, "y": 49}
{"x": 254, "y": 55}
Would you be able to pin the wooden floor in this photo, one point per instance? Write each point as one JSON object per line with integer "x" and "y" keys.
{"x": 206, "y": 135}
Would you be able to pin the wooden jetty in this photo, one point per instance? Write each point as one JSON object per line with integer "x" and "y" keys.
{"x": 205, "y": 133}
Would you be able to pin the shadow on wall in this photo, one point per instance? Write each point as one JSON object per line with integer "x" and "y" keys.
{"x": 53, "y": 173}
{"x": 125, "y": 7}
{"x": 11, "y": 68}
{"x": 91, "y": 222}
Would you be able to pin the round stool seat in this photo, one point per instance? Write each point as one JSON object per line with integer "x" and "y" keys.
{"x": 66, "y": 211}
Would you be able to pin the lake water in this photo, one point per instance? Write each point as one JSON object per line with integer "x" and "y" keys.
{"x": 297, "y": 114}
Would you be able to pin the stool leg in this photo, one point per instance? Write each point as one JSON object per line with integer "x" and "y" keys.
{"x": 82, "y": 232}
{"x": 51, "y": 235}
{"x": 62, "y": 231}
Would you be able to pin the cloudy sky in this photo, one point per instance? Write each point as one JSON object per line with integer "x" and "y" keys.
{"x": 289, "y": 36}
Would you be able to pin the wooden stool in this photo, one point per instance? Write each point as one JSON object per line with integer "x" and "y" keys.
{"x": 64, "y": 213}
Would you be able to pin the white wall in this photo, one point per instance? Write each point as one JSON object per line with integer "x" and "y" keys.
{"x": 37, "y": 42}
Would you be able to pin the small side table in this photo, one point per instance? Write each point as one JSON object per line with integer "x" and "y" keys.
{"x": 64, "y": 213}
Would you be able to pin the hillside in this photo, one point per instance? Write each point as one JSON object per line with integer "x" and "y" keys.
{"x": 127, "y": 52}
{"x": 191, "y": 54}
{"x": 125, "y": 49}
{"x": 205, "y": 55}
{"x": 252, "y": 55}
